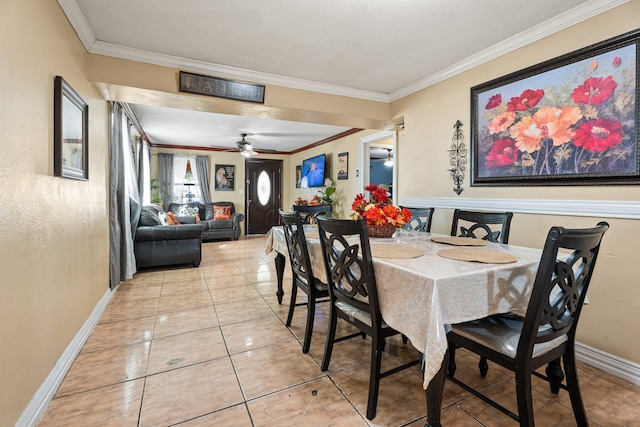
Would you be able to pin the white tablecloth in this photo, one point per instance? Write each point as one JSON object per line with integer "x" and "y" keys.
{"x": 421, "y": 296}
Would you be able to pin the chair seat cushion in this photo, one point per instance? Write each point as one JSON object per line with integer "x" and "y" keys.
{"x": 501, "y": 333}
{"x": 355, "y": 313}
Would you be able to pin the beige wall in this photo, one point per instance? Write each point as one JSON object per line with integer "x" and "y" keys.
{"x": 611, "y": 322}
{"x": 54, "y": 232}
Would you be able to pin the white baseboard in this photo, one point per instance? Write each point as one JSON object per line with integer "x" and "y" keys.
{"x": 608, "y": 363}
{"x": 40, "y": 401}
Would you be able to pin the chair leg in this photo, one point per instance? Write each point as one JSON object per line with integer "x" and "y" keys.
{"x": 574, "y": 389}
{"x": 331, "y": 335}
{"x": 483, "y": 366}
{"x": 451, "y": 368}
{"x": 524, "y": 397}
{"x": 311, "y": 312}
{"x": 374, "y": 376}
{"x": 554, "y": 372}
{"x": 292, "y": 306}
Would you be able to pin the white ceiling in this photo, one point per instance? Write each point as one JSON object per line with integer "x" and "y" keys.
{"x": 371, "y": 49}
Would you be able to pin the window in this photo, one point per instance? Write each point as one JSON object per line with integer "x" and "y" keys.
{"x": 185, "y": 178}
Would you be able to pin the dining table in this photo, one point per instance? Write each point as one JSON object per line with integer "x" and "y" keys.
{"x": 427, "y": 281}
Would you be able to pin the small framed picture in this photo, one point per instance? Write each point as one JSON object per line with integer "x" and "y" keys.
{"x": 343, "y": 166}
{"x": 298, "y": 176}
{"x": 225, "y": 177}
{"x": 70, "y": 132}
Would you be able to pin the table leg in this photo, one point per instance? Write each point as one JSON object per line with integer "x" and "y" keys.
{"x": 434, "y": 394}
{"x": 280, "y": 262}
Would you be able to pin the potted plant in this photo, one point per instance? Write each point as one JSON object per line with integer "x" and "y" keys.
{"x": 157, "y": 192}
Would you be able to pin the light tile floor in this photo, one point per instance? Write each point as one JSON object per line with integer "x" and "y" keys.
{"x": 207, "y": 346}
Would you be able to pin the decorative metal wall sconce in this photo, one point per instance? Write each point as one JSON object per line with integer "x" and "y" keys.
{"x": 457, "y": 157}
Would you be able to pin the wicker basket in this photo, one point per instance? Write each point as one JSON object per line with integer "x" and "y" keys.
{"x": 381, "y": 230}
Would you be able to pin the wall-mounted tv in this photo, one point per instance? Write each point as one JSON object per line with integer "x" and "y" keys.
{"x": 313, "y": 171}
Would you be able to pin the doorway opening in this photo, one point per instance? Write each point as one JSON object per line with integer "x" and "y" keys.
{"x": 381, "y": 140}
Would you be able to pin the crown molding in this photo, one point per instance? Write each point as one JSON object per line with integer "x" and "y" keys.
{"x": 578, "y": 14}
{"x": 586, "y": 208}
{"x": 232, "y": 73}
{"x": 78, "y": 22}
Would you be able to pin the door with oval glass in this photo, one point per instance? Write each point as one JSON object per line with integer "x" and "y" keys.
{"x": 263, "y": 194}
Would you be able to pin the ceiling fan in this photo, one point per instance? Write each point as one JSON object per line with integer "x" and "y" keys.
{"x": 245, "y": 147}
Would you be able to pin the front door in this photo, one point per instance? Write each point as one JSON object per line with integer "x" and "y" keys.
{"x": 263, "y": 194}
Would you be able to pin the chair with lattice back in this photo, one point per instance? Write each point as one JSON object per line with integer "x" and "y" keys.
{"x": 354, "y": 297}
{"x": 547, "y": 331}
{"x": 303, "y": 277}
{"x": 420, "y": 219}
{"x": 478, "y": 225}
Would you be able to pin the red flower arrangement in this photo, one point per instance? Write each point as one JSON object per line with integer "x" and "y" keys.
{"x": 379, "y": 210}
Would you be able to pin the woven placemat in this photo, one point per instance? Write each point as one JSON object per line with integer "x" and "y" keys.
{"x": 459, "y": 241}
{"x": 485, "y": 256}
{"x": 395, "y": 251}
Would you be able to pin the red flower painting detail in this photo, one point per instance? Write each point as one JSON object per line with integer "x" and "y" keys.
{"x": 527, "y": 100}
{"x": 503, "y": 153}
{"x": 594, "y": 91}
{"x": 598, "y": 135}
{"x": 494, "y": 101}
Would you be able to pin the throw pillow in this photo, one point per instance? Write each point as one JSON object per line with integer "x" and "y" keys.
{"x": 163, "y": 218}
{"x": 171, "y": 219}
{"x": 149, "y": 216}
{"x": 221, "y": 212}
{"x": 208, "y": 211}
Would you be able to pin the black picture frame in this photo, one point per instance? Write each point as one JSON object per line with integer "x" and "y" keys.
{"x": 571, "y": 120}
{"x": 343, "y": 166}
{"x": 298, "y": 176}
{"x": 70, "y": 132}
{"x": 225, "y": 177}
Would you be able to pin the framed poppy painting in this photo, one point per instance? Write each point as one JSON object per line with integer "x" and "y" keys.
{"x": 568, "y": 121}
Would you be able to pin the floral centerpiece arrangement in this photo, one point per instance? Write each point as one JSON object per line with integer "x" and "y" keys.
{"x": 381, "y": 217}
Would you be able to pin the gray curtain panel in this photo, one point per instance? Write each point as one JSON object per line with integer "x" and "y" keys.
{"x": 202, "y": 166}
{"x": 124, "y": 204}
{"x": 144, "y": 154}
{"x": 165, "y": 176}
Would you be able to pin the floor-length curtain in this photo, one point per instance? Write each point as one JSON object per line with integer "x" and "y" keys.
{"x": 124, "y": 205}
{"x": 165, "y": 177}
{"x": 144, "y": 177}
{"x": 202, "y": 166}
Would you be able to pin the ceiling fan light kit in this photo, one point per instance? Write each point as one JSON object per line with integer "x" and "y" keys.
{"x": 245, "y": 147}
{"x": 389, "y": 160}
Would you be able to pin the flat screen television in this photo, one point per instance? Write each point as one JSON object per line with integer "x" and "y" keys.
{"x": 313, "y": 172}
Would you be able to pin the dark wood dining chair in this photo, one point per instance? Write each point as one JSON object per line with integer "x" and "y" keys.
{"x": 547, "y": 331}
{"x": 303, "y": 277}
{"x": 420, "y": 219}
{"x": 478, "y": 225}
{"x": 354, "y": 296}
